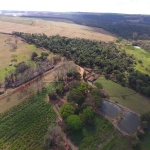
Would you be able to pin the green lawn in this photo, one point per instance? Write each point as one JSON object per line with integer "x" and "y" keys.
{"x": 145, "y": 144}
{"x": 140, "y": 54}
{"x": 125, "y": 96}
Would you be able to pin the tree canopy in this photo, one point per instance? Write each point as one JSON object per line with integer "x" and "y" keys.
{"x": 73, "y": 122}
{"x": 76, "y": 96}
{"x": 66, "y": 110}
{"x": 88, "y": 115}
{"x": 105, "y": 58}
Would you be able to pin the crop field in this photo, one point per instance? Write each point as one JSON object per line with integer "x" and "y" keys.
{"x": 140, "y": 54}
{"x": 18, "y": 95}
{"x": 23, "y": 53}
{"x": 53, "y": 27}
{"x": 125, "y": 96}
{"x": 25, "y": 125}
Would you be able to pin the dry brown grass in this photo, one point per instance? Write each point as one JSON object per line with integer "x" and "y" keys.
{"x": 62, "y": 28}
{"x": 23, "y": 53}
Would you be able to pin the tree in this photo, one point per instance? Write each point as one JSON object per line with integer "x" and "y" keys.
{"x": 9, "y": 39}
{"x": 83, "y": 87}
{"x": 88, "y": 115}
{"x": 135, "y": 142}
{"x": 16, "y": 42}
{"x": 44, "y": 55}
{"x": 76, "y": 96}
{"x": 66, "y": 110}
{"x": 34, "y": 54}
{"x": 73, "y": 122}
{"x": 96, "y": 101}
{"x": 145, "y": 120}
{"x": 98, "y": 85}
{"x": 54, "y": 139}
{"x": 60, "y": 89}
{"x": 135, "y": 35}
{"x": 53, "y": 95}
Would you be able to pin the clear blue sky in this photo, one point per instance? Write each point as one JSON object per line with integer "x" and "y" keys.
{"x": 113, "y": 6}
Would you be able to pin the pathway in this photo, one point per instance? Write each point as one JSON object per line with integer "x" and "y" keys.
{"x": 67, "y": 140}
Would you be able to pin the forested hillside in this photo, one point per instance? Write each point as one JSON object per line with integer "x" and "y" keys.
{"x": 103, "y": 58}
{"x": 121, "y": 25}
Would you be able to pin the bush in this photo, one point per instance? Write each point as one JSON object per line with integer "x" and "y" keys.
{"x": 98, "y": 85}
{"x": 53, "y": 95}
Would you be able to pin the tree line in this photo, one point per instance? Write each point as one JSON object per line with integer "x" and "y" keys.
{"x": 104, "y": 58}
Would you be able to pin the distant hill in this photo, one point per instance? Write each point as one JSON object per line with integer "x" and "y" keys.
{"x": 122, "y": 25}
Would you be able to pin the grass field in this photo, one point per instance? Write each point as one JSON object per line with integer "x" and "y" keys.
{"x": 125, "y": 96}
{"x": 140, "y": 54}
{"x": 25, "y": 125}
{"x": 145, "y": 143}
{"x": 18, "y": 20}
{"x": 53, "y": 27}
{"x": 23, "y": 53}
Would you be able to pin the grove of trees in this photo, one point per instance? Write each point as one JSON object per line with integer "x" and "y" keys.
{"x": 106, "y": 58}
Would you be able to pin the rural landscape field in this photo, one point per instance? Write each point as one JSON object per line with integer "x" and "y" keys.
{"x": 67, "y": 86}
{"x": 54, "y": 27}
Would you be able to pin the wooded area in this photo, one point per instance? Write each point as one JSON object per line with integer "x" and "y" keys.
{"x": 104, "y": 58}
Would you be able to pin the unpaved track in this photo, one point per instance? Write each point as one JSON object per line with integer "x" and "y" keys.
{"x": 25, "y": 87}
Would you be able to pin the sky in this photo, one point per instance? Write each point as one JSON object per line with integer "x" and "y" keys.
{"x": 106, "y": 6}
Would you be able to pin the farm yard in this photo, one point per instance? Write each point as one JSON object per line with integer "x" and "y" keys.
{"x": 125, "y": 96}
{"x": 9, "y": 24}
{"x": 24, "y": 126}
{"x": 25, "y": 111}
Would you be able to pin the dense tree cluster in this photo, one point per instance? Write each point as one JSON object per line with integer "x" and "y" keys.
{"x": 145, "y": 118}
{"x": 102, "y": 57}
{"x": 25, "y": 72}
{"x": 140, "y": 82}
{"x": 81, "y": 107}
{"x": 121, "y": 25}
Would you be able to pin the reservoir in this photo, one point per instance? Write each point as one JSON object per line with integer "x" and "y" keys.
{"x": 110, "y": 109}
{"x": 129, "y": 123}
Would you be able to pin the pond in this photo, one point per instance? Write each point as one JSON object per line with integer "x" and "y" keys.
{"x": 129, "y": 123}
{"x": 110, "y": 109}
